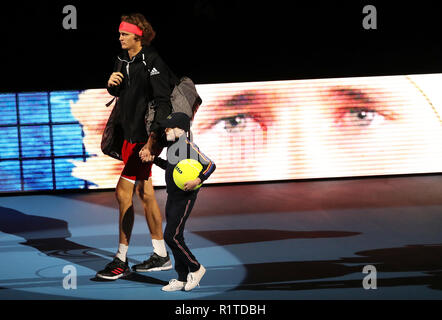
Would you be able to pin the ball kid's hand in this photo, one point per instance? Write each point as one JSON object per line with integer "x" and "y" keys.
{"x": 192, "y": 184}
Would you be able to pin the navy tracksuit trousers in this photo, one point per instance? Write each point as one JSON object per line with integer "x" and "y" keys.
{"x": 177, "y": 212}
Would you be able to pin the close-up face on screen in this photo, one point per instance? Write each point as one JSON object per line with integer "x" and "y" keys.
{"x": 253, "y": 131}
{"x": 319, "y": 128}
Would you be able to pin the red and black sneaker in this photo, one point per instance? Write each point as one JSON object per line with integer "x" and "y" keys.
{"x": 114, "y": 270}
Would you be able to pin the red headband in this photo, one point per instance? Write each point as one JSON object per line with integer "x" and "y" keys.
{"x": 131, "y": 28}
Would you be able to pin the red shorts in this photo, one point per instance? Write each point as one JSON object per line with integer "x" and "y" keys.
{"x": 134, "y": 168}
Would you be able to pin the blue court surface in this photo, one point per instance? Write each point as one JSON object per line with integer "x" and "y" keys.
{"x": 273, "y": 241}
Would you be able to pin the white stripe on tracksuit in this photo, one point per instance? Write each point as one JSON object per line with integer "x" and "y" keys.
{"x": 178, "y": 230}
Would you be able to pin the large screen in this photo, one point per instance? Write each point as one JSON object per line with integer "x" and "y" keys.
{"x": 260, "y": 131}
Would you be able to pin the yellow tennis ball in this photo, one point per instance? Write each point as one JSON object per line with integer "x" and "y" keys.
{"x": 186, "y": 170}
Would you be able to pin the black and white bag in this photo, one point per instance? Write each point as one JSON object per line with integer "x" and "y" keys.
{"x": 184, "y": 97}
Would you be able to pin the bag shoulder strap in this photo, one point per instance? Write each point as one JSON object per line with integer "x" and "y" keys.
{"x": 149, "y": 59}
{"x": 119, "y": 66}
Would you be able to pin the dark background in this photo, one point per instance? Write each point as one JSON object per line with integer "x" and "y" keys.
{"x": 220, "y": 41}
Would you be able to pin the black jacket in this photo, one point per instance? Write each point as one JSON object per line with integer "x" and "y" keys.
{"x": 146, "y": 78}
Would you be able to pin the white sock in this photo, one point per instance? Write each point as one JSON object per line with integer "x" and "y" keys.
{"x": 159, "y": 247}
{"x": 122, "y": 252}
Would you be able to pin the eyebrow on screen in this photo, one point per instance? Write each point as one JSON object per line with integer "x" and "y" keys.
{"x": 256, "y": 105}
{"x": 355, "y": 94}
{"x": 360, "y": 99}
